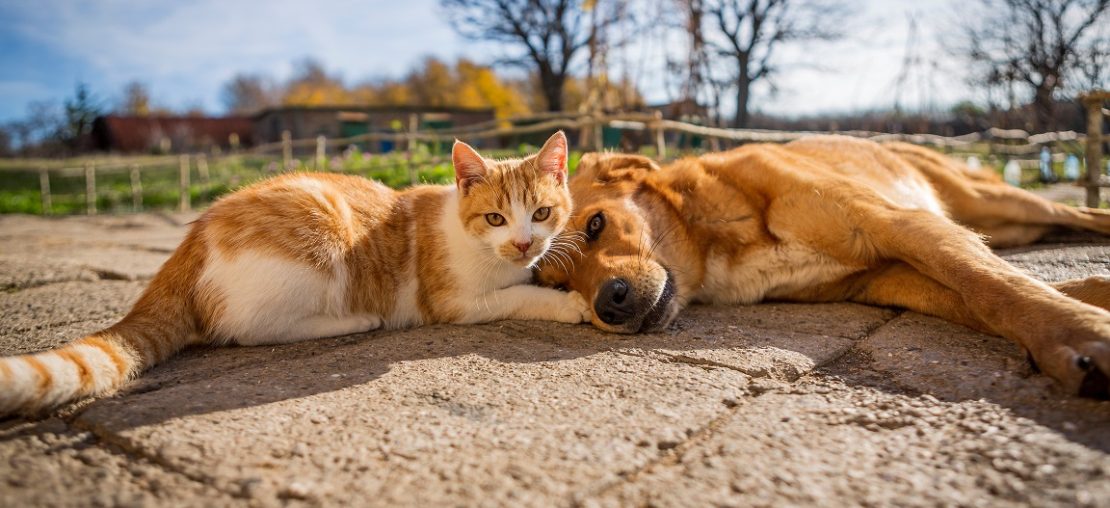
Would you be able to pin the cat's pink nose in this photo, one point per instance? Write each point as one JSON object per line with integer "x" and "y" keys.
{"x": 523, "y": 246}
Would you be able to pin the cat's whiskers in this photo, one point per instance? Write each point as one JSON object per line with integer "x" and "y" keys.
{"x": 557, "y": 256}
{"x": 572, "y": 238}
{"x": 560, "y": 254}
{"x": 564, "y": 250}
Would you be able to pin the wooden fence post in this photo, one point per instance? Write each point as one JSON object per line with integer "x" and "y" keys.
{"x": 136, "y": 188}
{"x": 410, "y": 145}
{"x": 286, "y": 150}
{"x": 321, "y": 153}
{"x": 1094, "y": 147}
{"x": 90, "y": 189}
{"x": 584, "y": 134}
{"x": 660, "y": 137}
{"x": 598, "y": 133}
{"x": 44, "y": 190}
{"x": 714, "y": 144}
{"x": 202, "y": 169}
{"x": 185, "y": 200}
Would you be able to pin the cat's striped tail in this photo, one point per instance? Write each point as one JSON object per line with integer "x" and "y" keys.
{"x": 160, "y": 324}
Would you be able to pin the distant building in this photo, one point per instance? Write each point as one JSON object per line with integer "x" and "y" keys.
{"x": 163, "y": 134}
{"x": 306, "y": 122}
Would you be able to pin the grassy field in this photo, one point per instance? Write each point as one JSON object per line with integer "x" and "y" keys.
{"x": 20, "y": 186}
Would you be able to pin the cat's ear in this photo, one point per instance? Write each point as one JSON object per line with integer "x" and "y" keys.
{"x": 470, "y": 167}
{"x": 552, "y": 158}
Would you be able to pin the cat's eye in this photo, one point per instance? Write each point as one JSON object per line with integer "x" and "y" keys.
{"x": 594, "y": 227}
{"x": 542, "y": 214}
{"x": 495, "y": 219}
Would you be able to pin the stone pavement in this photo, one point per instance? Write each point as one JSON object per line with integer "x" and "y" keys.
{"x": 773, "y": 404}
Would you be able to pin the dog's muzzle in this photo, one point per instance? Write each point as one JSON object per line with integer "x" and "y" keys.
{"x": 619, "y": 305}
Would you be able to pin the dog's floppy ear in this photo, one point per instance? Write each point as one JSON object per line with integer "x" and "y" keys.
{"x": 613, "y": 167}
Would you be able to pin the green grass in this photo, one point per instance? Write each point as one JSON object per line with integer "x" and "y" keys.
{"x": 19, "y": 178}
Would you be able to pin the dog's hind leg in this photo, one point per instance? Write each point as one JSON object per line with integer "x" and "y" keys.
{"x": 901, "y": 285}
{"x": 1010, "y": 215}
{"x": 1068, "y": 339}
{"x": 1092, "y": 290}
{"x": 1012, "y": 235}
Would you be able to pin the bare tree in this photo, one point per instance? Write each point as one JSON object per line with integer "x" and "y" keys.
{"x": 80, "y": 111}
{"x": 136, "y": 100}
{"x": 6, "y": 148}
{"x": 44, "y": 121}
{"x": 1093, "y": 65}
{"x": 248, "y": 93}
{"x": 549, "y": 33}
{"x": 746, "y": 33}
{"x": 692, "y": 65}
{"x": 1039, "y": 45}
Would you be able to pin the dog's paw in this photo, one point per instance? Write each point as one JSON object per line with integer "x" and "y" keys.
{"x": 1081, "y": 366}
{"x": 575, "y": 309}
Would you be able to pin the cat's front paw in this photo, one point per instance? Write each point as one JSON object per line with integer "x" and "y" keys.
{"x": 576, "y": 309}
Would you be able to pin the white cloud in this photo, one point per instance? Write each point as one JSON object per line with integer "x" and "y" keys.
{"x": 185, "y": 51}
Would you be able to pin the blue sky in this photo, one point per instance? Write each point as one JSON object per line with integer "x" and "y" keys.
{"x": 185, "y": 50}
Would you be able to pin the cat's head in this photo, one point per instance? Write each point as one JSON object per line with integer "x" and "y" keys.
{"x": 514, "y": 207}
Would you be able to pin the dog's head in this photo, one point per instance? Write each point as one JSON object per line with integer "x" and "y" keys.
{"x": 607, "y": 251}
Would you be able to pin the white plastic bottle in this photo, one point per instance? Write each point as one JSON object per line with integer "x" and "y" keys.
{"x": 1012, "y": 173}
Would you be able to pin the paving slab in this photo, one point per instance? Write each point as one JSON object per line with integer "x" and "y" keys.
{"x": 69, "y": 261}
{"x": 79, "y": 248}
{"x": 826, "y": 443}
{"x": 779, "y": 404}
{"x": 17, "y": 272}
{"x": 49, "y": 464}
{"x": 45, "y": 316}
{"x": 924, "y": 355}
{"x": 775, "y": 341}
{"x": 443, "y": 415}
{"x": 1055, "y": 262}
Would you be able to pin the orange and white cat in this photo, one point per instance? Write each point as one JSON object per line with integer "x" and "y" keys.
{"x": 304, "y": 256}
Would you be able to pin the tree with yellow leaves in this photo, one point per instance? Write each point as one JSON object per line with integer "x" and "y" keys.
{"x": 312, "y": 86}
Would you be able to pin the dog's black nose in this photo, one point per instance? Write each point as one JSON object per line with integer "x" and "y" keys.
{"x": 614, "y": 304}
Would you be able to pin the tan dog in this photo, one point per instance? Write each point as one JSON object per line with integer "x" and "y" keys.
{"x": 828, "y": 219}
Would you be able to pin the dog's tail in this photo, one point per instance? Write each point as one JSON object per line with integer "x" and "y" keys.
{"x": 160, "y": 324}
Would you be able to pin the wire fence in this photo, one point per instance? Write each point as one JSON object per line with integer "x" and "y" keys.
{"x": 123, "y": 184}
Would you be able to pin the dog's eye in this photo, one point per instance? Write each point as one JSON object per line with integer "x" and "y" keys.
{"x": 495, "y": 219}
{"x": 594, "y": 227}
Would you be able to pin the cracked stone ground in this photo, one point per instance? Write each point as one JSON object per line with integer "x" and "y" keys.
{"x": 773, "y": 404}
